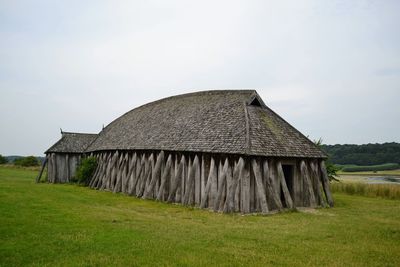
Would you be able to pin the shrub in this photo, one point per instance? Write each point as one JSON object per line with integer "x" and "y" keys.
{"x": 27, "y": 161}
{"x": 332, "y": 170}
{"x": 3, "y": 160}
{"x": 85, "y": 170}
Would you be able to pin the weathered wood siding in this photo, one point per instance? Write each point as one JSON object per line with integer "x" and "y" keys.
{"x": 225, "y": 183}
{"x": 61, "y": 167}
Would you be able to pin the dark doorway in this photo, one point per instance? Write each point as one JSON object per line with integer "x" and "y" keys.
{"x": 288, "y": 173}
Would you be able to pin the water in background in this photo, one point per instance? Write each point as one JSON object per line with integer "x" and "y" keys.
{"x": 383, "y": 180}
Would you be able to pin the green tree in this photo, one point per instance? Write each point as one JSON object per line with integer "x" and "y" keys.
{"x": 3, "y": 160}
{"x": 27, "y": 161}
{"x": 331, "y": 168}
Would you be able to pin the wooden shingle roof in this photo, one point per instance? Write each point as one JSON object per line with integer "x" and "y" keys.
{"x": 224, "y": 121}
{"x": 72, "y": 143}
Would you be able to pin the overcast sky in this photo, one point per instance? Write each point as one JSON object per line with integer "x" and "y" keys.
{"x": 330, "y": 68}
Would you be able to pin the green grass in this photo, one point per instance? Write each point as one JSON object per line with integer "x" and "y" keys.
{"x": 66, "y": 225}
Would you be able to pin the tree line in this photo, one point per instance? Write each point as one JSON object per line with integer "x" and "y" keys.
{"x": 368, "y": 154}
{"x": 20, "y": 161}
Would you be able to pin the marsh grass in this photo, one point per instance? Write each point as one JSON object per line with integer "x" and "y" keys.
{"x": 388, "y": 191}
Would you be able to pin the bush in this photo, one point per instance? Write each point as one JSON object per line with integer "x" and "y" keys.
{"x": 332, "y": 170}
{"x": 382, "y": 167}
{"x": 3, "y": 160}
{"x": 27, "y": 161}
{"x": 86, "y": 170}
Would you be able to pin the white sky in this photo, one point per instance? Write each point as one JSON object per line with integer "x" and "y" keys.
{"x": 330, "y": 68}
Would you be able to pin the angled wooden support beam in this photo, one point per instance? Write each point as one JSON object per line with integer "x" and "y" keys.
{"x": 270, "y": 186}
{"x": 325, "y": 184}
{"x": 260, "y": 185}
{"x": 232, "y": 190}
{"x": 177, "y": 180}
{"x": 314, "y": 170}
{"x": 211, "y": 177}
{"x": 190, "y": 182}
{"x": 310, "y": 191}
{"x": 285, "y": 190}
{"x": 131, "y": 176}
{"x": 154, "y": 176}
{"x": 221, "y": 185}
{"x": 165, "y": 175}
{"x": 41, "y": 170}
{"x": 140, "y": 170}
{"x": 147, "y": 174}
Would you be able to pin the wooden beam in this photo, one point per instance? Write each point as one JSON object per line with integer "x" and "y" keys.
{"x": 131, "y": 172}
{"x": 106, "y": 172}
{"x": 177, "y": 180}
{"x": 154, "y": 176}
{"x": 270, "y": 186}
{"x": 203, "y": 178}
{"x": 221, "y": 185}
{"x": 197, "y": 182}
{"x": 245, "y": 189}
{"x": 117, "y": 183}
{"x": 229, "y": 177}
{"x": 113, "y": 171}
{"x": 146, "y": 177}
{"x": 41, "y": 170}
{"x": 49, "y": 168}
{"x": 325, "y": 184}
{"x": 214, "y": 182}
{"x": 140, "y": 170}
{"x": 99, "y": 161}
{"x": 232, "y": 190}
{"x": 314, "y": 170}
{"x": 125, "y": 177}
{"x": 260, "y": 186}
{"x": 310, "y": 191}
{"x": 211, "y": 177}
{"x": 67, "y": 167}
{"x": 164, "y": 177}
{"x": 99, "y": 179}
{"x": 190, "y": 182}
{"x": 285, "y": 190}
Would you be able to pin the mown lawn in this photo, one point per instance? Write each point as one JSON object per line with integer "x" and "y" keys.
{"x": 67, "y": 225}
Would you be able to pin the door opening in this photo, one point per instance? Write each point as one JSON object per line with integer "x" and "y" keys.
{"x": 288, "y": 172}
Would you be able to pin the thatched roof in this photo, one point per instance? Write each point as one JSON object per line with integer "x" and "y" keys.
{"x": 72, "y": 143}
{"x": 226, "y": 121}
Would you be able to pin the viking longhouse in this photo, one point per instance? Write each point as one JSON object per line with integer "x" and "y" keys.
{"x": 221, "y": 150}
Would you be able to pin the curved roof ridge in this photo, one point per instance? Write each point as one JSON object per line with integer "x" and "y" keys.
{"x": 213, "y": 121}
{"x": 199, "y": 93}
{"x": 76, "y": 133}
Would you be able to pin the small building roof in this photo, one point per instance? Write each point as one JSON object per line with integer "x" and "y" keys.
{"x": 72, "y": 143}
{"x": 222, "y": 121}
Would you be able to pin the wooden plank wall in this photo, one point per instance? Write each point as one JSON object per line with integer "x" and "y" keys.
{"x": 61, "y": 167}
{"x": 224, "y": 183}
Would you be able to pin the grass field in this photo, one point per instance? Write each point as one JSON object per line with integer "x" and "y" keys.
{"x": 67, "y": 225}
